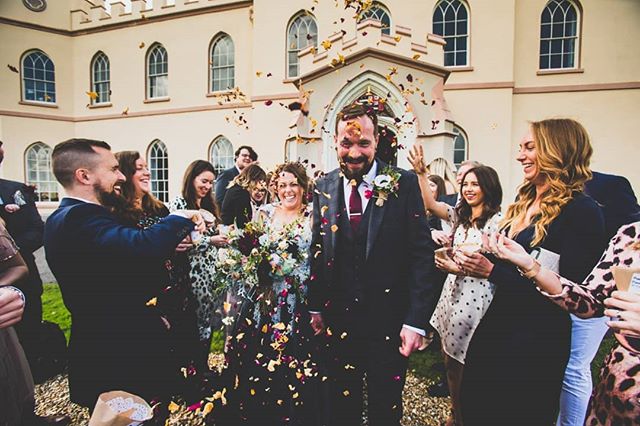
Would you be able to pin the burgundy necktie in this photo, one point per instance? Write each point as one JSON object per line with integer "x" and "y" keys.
{"x": 355, "y": 207}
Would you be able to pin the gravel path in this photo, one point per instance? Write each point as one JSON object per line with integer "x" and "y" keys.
{"x": 420, "y": 409}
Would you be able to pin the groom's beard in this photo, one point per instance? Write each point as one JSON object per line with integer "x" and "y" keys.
{"x": 355, "y": 174}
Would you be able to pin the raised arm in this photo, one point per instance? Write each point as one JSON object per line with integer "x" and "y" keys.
{"x": 437, "y": 208}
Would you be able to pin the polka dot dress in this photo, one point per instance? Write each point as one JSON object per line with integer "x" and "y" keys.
{"x": 463, "y": 300}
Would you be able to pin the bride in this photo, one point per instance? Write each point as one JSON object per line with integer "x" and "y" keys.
{"x": 269, "y": 374}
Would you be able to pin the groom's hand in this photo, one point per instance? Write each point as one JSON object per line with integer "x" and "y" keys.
{"x": 316, "y": 323}
{"x": 411, "y": 341}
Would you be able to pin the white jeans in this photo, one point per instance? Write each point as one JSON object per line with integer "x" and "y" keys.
{"x": 586, "y": 335}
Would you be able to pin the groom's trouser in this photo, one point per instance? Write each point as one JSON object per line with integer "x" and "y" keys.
{"x": 350, "y": 359}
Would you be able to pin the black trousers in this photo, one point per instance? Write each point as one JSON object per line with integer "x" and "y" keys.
{"x": 356, "y": 362}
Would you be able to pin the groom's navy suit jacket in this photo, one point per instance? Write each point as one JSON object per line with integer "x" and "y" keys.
{"x": 396, "y": 278}
{"x": 107, "y": 274}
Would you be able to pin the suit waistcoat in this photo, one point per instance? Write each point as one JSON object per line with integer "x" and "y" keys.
{"x": 350, "y": 253}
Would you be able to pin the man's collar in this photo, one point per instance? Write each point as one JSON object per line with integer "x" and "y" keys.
{"x": 81, "y": 199}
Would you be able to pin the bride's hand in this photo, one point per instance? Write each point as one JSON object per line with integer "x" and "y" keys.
{"x": 219, "y": 240}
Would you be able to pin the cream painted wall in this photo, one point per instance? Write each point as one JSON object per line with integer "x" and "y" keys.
{"x": 504, "y": 48}
{"x": 608, "y": 50}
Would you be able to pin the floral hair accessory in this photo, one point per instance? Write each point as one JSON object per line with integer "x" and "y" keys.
{"x": 385, "y": 184}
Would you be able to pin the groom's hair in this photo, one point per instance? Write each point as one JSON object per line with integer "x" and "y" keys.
{"x": 72, "y": 154}
{"x": 356, "y": 110}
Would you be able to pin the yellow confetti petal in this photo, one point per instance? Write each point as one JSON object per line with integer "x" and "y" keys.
{"x": 416, "y": 57}
{"x": 345, "y": 393}
{"x": 239, "y": 336}
{"x": 152, "y": 302}
{"x": 397, "y": 38}
{"x": 334, "y": 227}
{"x": 208, "y": 407}
{"x": 173, "y": 407}
{"x": 253, "y": 392}
{"x": 323, "y": 210}
{"x": 258, "y": 73}
{"x": 92, "y": 95}
{"x": 227, "y": 307}
{"x": 326, "y": 44}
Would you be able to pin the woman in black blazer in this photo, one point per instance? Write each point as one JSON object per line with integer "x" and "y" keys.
{"x": 244, "y": 190}
{"x": 518, "y": 354}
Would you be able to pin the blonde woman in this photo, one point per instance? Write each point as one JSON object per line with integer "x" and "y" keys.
{"x": 241, "y": 200}
{"x": 516, "y": 360}
{"x": 447, "y": 171}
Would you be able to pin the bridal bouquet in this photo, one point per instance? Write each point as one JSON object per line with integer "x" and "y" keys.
{"x": 257, "y": 255}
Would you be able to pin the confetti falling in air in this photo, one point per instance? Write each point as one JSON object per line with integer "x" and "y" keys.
{"x": 92, "y": 95}
{"x": 152, "y": 302}
{"x": 125, "y": 111}
{"x": 13, "y": 69}
{"x": 141, "y": 45}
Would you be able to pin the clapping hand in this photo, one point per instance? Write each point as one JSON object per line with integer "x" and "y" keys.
{"x": 473, "y": 264}
{"x": 416, "y": 158}
{"x": 441, "y": 238}
{"x": 625, "y": 306}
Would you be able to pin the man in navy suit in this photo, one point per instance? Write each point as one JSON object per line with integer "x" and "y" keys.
{"x": 243, "y": 156}
{"x": 18, "y": 209}
{"x": 118, "y": 339}
{"x": 372, "y": 275}
{"x": 616, "y": 198}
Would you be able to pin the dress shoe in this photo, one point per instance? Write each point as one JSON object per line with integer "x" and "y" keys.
{"x": 439, "y": 389}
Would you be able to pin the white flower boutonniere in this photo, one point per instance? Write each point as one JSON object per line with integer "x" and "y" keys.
{"x": 385, "y": 184}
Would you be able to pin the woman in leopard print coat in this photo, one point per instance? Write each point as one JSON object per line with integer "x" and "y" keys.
{"x": 615, "y": 399}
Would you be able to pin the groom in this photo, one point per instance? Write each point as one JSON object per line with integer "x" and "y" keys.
{"x": 372, "y": 273}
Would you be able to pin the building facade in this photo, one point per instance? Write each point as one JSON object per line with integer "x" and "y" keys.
{"x": 195, "y": 79}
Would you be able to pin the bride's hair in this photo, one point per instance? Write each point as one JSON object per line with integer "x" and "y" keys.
{"x": 300, "y": 172}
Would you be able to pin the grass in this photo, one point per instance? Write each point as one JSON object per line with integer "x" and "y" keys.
{"x": 421, "y": 363}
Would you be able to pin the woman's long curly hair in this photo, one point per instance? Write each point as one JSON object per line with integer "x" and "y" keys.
{"x": 489, "y": 183}
{"x": 195, "y": 169}
{"x": 563, "y": 154}
{"x": 128, "y": 210}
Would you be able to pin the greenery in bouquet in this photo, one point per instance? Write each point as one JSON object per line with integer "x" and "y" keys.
{"x": 256, "y": 256}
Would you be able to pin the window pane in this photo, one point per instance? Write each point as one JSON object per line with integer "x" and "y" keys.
{"x": 437, "y": 28}
{"x": 556, "y": 61}
{"x": 545, "y": 31}
{"x": 449, "y": 59}
{"x": 461, "y": 58}
{"x": 556, "y": 46}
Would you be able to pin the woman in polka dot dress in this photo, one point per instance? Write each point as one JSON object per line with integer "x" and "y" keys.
{"x": 464, "y": 299}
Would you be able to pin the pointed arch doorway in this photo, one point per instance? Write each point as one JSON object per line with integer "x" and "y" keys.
{"x": 395, "y": 121}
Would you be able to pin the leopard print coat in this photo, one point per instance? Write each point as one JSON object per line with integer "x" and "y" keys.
{"x": 615, "y": 399}
{"x": 202, "y": 259}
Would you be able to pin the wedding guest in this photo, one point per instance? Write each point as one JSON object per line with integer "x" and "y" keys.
{"x": 270, "y": 373}
{"x": 619, "y": 206}
{"x": 615, "y": 399}
{"x": 244, "y": 156}
{"x": 246, "y": 192}
{"x": 463, "y": 300}
{"x": 436, "y": 185}
{"x": 516, "y": 359}
{"x": 118, "y": 338}
{"x": 443, "y": 168}
{"x": 23, "y": 222}
{"x": 16, "y": 382}
{"x": 372, "y": 271}
{"x": 169, "y": 282}
{"x": 197, "y": 194}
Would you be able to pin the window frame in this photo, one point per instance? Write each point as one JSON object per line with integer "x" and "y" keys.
{"x": 219, "y": 140}
{"x": 148, "y": 76}
{"x": 459, "y": 131}
{"x": 577, "y": 38}
{"x": 455, "y": 36}
{"x": 300, "y": 15}
{"x": 384, "y": 9}
{"x": 23, "y": 78}
{"x": 49, "y": 180}
{"x": 152, "y": 158}
{"x": 93, "y": 81}
{"x": 212, "y": 66}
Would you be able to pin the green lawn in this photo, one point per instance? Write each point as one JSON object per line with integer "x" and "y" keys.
{"x": 55, "y": 311}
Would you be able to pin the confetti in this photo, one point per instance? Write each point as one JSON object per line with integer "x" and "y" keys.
{"x": 173, "y": 407}
{"x": 152, "y": 302}
{"x": 334, "y": 228}
{"x": 141, "y": 45}
{"x": 92, "y": 95}
{"x": 416, "y": 57}
{"x": 326, "y": 44}
{"x": 13, "y": 69}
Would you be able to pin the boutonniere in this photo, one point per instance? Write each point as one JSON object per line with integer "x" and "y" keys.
{"x": 385, "y": 184}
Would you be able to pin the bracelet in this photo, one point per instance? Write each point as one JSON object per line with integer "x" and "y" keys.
{"x": 532, "y": 272}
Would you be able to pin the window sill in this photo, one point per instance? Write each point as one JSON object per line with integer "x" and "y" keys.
{"x": 39, "y": 104}
{"x": 560, "y": 71}
{"x": 460, "y": 69}
{"x": 102, "y": 105}
{"x": 220, "y": 93}
{"x": 154, "y": 100}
